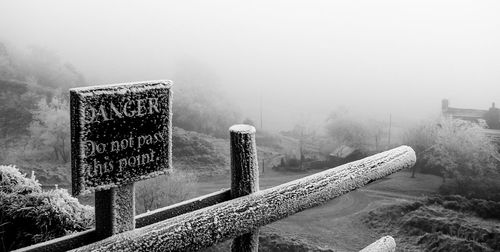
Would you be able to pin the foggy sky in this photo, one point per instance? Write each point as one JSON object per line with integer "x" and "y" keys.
{"x": 306, "y": 58}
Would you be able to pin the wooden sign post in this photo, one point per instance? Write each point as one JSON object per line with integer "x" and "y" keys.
{"x": 119, "y": 134}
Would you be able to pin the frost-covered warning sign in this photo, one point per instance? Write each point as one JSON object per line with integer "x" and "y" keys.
{"x": 120, "y": 134}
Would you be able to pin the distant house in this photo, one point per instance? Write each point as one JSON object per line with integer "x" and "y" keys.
{"x": 345, "y": 154}
{"x": 489, "y": 119}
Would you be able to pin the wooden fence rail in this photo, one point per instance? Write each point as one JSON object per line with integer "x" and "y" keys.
{"x": 230, "y": 219}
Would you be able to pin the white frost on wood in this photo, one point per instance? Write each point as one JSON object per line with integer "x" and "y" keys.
{"x": 242, "y": 128}
{"x": 122, "y": 87}
{"x": 384, "y": 244}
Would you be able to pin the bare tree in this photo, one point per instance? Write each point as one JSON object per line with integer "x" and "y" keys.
{"x": 51, "y": 128}
{"x": 164, "y": 190}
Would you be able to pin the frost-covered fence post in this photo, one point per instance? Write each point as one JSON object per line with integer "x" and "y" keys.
{"x": 244, "y": 177}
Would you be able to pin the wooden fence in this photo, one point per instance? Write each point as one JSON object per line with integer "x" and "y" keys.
{"x": 237, "y": 213}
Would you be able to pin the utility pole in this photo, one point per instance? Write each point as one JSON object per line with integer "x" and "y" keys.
{"x": 301, "y": 150}
{"x": 390, "y": 125}
{"x": 261, "y": 128}
{"x": 263, "y": 166}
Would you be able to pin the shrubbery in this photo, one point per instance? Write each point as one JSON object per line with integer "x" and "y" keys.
{"x": 487, "y": 188}
{"x": 463, "y": 149}
{"x": 447, "y": 223}
{"x": 460, "y": 152}
{"x": 195, "y": 151}
{"x": 29, "y": 215}
{"x": 164, "y": 190}
{"x": 482, "y": 208}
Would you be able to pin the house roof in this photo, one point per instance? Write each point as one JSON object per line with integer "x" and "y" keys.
{"x": 465, "y": 113}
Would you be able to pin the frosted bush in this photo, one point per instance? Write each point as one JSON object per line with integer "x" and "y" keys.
{"x": 30, "y": 215}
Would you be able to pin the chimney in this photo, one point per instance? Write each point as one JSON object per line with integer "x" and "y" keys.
{"x": 492, "y": 105}
{"x": 444, "y": 104}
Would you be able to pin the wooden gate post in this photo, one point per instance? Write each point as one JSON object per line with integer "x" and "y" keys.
{"x": 244, "y": 177}
{"x": 114, "y": 210}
